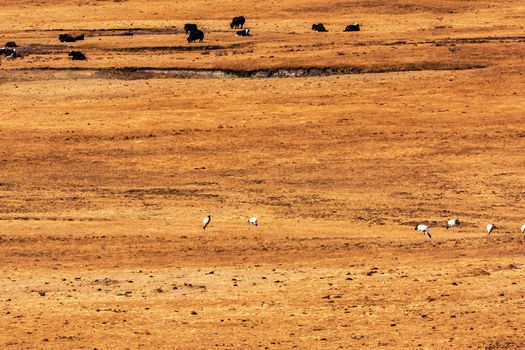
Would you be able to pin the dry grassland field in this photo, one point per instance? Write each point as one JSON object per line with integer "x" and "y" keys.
{"x": 338, "y": 142}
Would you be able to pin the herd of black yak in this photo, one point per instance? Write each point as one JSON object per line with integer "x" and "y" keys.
{"x": 191, "y": 29}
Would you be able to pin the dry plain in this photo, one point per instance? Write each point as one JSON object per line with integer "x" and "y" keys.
{"x": 339, "y": 142}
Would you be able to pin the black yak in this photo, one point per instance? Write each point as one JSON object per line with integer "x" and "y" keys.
{"x": 69, "y": 38}
{"x": 244, "y": 32}
{"x": 8, "y": 52}
{"x": 196, "y": 35}
{"x": 352, "y": 28}
{"x": 237, "y": 22}
{"x": 77, "y": 56}
{"x": 190, "y": 27}
{"x": 319, "y": 27}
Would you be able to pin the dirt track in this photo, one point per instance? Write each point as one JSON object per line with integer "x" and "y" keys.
{"x": 338, "y": 142}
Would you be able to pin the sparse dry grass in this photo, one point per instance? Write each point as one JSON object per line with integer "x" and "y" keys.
{"x": 107, "y": 170}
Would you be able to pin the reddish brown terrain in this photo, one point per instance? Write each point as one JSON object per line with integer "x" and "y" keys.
{"x": 340, "y": 143}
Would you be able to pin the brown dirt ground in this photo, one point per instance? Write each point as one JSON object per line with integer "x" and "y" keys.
{"x": 108, "y": 166}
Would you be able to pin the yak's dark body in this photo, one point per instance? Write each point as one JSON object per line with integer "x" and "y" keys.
{"x": 319, "y": 27}
{"x": 353, "y": 27}
{"x": 196, "y": 35}
{"x": 8, "y": 52}
{"x": 77, "y": 56}
{"x": 237, "y": 22}
{"x": 69, "y": 38}
{"x": 190, "y": 27}
{"x": 244, "y": 32}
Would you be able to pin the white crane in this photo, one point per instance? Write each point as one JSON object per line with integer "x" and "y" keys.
{"x": 490, "y": 228}
{"x": 452, "y": 223}
{"x": 424, "y": 229}
{"x": 522, "y": 228}
{"x": 206, "y": 221}
{"x": 253, "y": 220}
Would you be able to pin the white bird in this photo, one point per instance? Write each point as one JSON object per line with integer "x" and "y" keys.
{"x": 253, "y": 220}
{"x": 424, "y": 229}
{"x": 206, "y": 221}
{"x": 523, "y": 228}
{"x": 452, "y": 223}
{"x": 490, "y": 228}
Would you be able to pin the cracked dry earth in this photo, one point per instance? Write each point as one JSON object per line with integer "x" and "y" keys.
{"x": 340, "y": 143}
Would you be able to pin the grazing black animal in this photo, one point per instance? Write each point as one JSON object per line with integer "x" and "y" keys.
{"x": 244, "y": 32}
{"x": 319, "y": 27}
{"x": 69, "y": 38}
{"x": 8, "y": 52}
{"x": 190, "y": 27}
{"x": 66, "y": 38}
{"x": 352, "y": 28}
{"x": 196, "y": 35}
{"x": 77, "y": 56}
{"x": 11, "y": 44}
{"x": 237, "y": 22}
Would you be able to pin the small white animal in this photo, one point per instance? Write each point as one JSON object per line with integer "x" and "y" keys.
{"x": 253, "y": 220}
{"x": 452, "y": 223}
{"x": 490, "y": 228}
{"x": 523, "y": 228}
{"x": 206, "y": 221}
{"x": 424, "y": 229}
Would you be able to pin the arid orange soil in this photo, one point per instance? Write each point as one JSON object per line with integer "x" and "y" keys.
{"x": 340, "y": 143}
